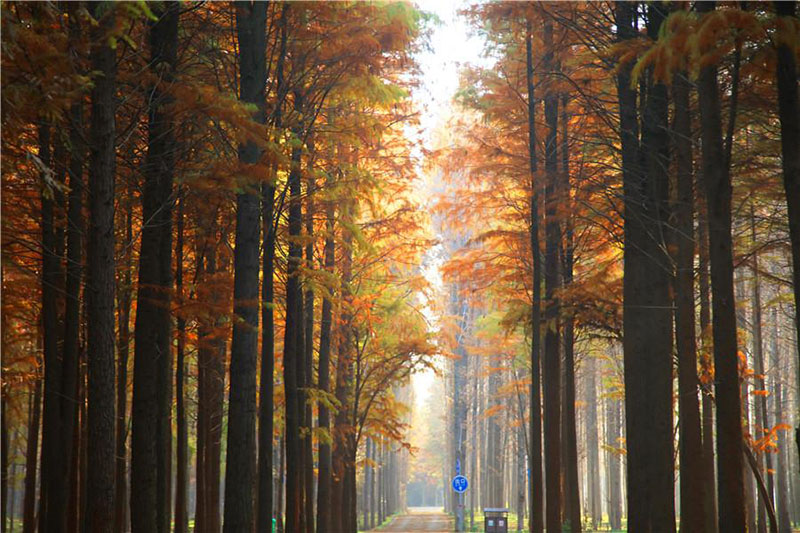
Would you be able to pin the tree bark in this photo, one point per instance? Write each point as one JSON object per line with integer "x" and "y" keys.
{"x": 267, "y": 385}
{"x": 552, "y": 356}
{"x": 344, "y": 376}
{"x": 123, "y": 349}
{"x": 781, "y": 397}
{"x": 571, "y": 486}
{"x": 592, "y": 439}
{"x": 762, "y": 415}
{"x": 241, "y": 450}
{"x": 536, "y": 504}
{"x": 182, "y": 436}
{"x": 788, "y": 111}
{"x": 326, "y": 323}
{"x": 100, "y": 448}
{"x": 647, "y": 315}
{"x": 692, "y": 488}
{"x": 706, "y": 364}
{"x": 52, "y": 469}
{"x": 31, "y": 456}
{"x": 308, "y": 360}
{"x": 151, "y": 405}
{"x": 730, "y": 468}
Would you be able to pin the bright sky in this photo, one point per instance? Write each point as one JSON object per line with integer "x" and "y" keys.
{"x": 451, "y": 47}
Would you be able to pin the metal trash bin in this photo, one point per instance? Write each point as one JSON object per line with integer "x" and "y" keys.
{"x": 495, "y": 520}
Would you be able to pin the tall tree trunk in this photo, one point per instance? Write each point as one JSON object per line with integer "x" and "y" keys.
{"x": 72, "y": 314}
{"x": 12, "y": 499}
{"x": 592, "y": 439}
{"x": 267, "y": 385}
{"x": 4, "y": 445}
{"x": 750, "y": 488}
{"x": 151, "y": 404}
{"x": 31, "y": 456}
{"x": 182, "y": 437}
{"x": 241, "y": 450}
{"x": 647, "y": 316}
{"x": 324, "y": 384}
{"x": 706, "y": 364}
{"x": 614, "y": 481}
{"x": 788, "y": 111}
{"x": 211, "y": 390}
{"x": 730, "y": 468}
{"x": 535, "y": 513}
{"x": 123, "y": 349}
{"x": 308, "y": 360}
{"x": 762, "y": 416}
{"x": 344, "y": 376}
{"x": 59, "y": 452}
{"x": 692, "y": 488}
{"x": 293, "y": 354}
{"x": 51, "y": 274}
{"x": 552, "y": 356}
{"x": 572, "y": 489}
{"x": 781, "y": 397}
{"x": 100, "y": 444}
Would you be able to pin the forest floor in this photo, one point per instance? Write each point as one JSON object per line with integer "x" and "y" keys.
{"x": 421, "y": 519}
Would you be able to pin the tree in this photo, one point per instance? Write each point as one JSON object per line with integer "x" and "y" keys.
{"x": 152, "y": 389}
{"x": 552, "y": 356}
{"x": 647, "y": 306}
{"x": 241, "y": 456}
{"x": 536, "y": 517}
{"x": 788, "y": 110}
{"x": 692, "y": 484}
{"x": 100, "y": 279}
{"x": 717, "y": 181}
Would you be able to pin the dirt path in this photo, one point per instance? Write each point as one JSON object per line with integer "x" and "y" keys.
{"x": 421, "y": 519}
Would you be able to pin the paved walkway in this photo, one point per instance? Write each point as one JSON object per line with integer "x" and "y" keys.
{"x": 421, "y": 519}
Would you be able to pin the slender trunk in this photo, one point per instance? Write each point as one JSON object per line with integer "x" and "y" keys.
{"x": 326, "y": 323}
{"x": 201, "y": 509}
{"x": 12, "y": 499}
{"x": 344, "y": 376}
{"x": 572, "y": 489}
{"x": 281, "y": 482}
{"x": 762, "y": 417}
{"x": 182, "y": 437}
{"x": 31, "y": 456}
{"x": 552, "y": 356}
{"x": 730, "y": 468}
{"x": 241, "y": 450}
{"x": 123, "y": 348}
{"x": 788, "y": 111}
{"x": 535, "y": 513}
{"x": 215, "y": 383}
{"x": 267, "y": 385}
{"x": 100, "y": 444}
{"x": 592, "y": 439}
{"x": 781, "y": 397}
{"x": 706, "y": 365}
{"x": 293, "y": 354}
{"x": 750, "y": 488}
{"x": 614, "y": 481}
{"x": 151, "y": 403}
{"x": 692, "y": 489}
{"x": 308, "y": 362}
{"x": 51, "y": 428}
{"x": 72, "y": 291}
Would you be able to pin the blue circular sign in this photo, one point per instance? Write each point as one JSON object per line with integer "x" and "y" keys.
{"x": 460, "y": 484}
